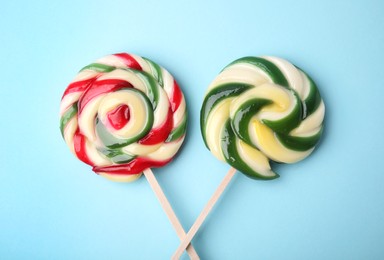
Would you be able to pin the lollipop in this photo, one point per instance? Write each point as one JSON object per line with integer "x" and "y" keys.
{"x": 123, "y": 115}
{"x": 257, "y": 110}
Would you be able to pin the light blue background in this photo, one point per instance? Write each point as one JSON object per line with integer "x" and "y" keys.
{"x": 329, "y": 206}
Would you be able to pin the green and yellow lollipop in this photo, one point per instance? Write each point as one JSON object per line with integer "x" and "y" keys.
{"x": 257, "y": 110}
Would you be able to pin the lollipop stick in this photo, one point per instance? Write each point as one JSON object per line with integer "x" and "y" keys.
{"x": 170, "y": 213}
{"x": 200, "y": 219}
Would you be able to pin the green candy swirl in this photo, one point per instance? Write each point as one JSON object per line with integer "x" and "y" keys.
{"x": 260, "y": 109}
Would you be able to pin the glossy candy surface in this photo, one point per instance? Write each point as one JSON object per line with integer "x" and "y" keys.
{"x": 260, "y": 109}
{"x": 123, "y": 114}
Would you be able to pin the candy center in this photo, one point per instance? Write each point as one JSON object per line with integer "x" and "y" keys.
{"x": 119, "y": 116}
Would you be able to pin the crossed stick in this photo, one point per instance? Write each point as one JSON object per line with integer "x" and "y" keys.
{"x": 200, "y": 219}
{"x": 170, "y": 213}
{"x": 187, "y": 238}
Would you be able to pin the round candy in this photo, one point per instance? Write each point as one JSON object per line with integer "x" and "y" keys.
{"x": 123, "y": 114}
{"x": 261, "y": 109}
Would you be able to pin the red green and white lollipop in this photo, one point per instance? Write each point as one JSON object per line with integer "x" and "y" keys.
{"x": 122, "y": 115}
{"x": 257, "y": 110}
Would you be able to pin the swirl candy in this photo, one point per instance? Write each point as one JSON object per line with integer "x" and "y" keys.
{"x": 261, "y": 109}
{"x": 123, "y": 114}
{"x": 256, "y": 110}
